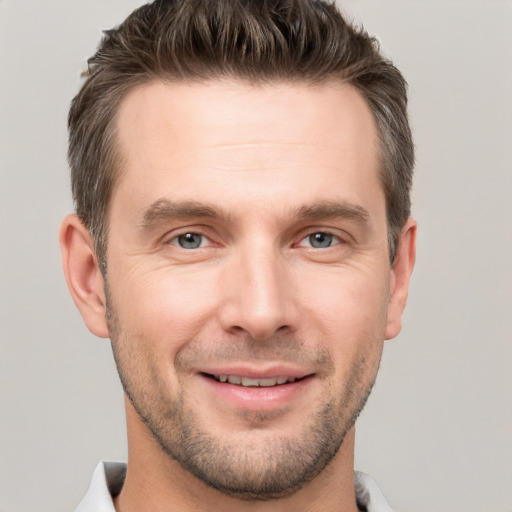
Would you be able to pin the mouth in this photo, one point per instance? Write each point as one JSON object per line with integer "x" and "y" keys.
{"x": 257, "y": 390}
{"x": 252, "y": 382}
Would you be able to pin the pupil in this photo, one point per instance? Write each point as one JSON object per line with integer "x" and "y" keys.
{"x": 320, "y": 240}
{"x": 189, "y": 240}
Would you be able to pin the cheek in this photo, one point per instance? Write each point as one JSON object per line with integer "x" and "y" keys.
{"x": 348, "y": 310}
{"x": 166, "y": 307}
{"x": 348, "y": 297}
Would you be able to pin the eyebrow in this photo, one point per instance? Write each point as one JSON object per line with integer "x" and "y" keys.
{"x": 164, "y": 210}
{"x": 334, "y": 209}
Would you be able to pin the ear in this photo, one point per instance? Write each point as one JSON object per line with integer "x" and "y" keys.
{"x": 400, "y": 276}
{"x": 83, "y": 275}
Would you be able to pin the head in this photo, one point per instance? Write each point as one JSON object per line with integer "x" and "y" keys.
{"x": 241, "y": 171}
{"x": 304, "y": 42}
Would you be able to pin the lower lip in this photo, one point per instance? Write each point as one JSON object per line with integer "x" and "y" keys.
{"x": 257, "y": 398}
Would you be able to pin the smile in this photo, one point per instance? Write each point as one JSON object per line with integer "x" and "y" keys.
{"x": 257, "y": 389}
{"x": 250, "y": 382}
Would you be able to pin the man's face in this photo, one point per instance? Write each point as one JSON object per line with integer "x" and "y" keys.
{"x": 248, "y": 275}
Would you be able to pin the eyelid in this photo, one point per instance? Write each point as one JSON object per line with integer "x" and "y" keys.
{"x": 339, "y": 236}
{"x": 336, "y": 240}
{"x": 171, "y": 237}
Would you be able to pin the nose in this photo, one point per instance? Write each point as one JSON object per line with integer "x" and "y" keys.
{"x": 259, "y": 298}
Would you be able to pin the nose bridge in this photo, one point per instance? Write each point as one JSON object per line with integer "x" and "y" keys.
{"x": 261, "y": 298}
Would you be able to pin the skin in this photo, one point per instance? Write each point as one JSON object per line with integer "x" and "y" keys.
{"x": 255, "y": 172}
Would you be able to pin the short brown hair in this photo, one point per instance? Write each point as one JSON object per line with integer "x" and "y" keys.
{"x": 304, "y": 41}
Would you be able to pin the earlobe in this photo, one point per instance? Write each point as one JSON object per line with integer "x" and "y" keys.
{"x": 83, "y": 275}
{"x": 400, "y": 278}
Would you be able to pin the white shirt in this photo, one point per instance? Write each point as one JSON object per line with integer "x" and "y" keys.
{"x": 108, "y": 479}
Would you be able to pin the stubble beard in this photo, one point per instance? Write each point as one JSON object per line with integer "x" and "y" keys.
{"x": 262, "y": 467}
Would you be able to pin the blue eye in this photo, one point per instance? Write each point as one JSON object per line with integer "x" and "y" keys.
{"x": 320, "y": 240}
{"x": 190, "y": 240}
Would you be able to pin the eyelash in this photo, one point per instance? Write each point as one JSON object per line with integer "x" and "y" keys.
{"x": 174, "y": 240}
{"x": 334, "y": 239}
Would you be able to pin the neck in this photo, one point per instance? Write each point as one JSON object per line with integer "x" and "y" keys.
{"x": 155, "y": 482}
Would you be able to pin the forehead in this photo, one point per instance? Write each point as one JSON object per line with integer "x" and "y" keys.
{"x": 214, "y": 138}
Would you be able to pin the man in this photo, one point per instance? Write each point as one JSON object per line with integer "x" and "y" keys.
{"x": 241, "y": 172}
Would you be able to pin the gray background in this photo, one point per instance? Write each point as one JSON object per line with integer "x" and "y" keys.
{"x": 437, "y": 432}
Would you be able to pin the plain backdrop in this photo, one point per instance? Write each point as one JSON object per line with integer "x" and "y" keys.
{"x": 437, "y": 432}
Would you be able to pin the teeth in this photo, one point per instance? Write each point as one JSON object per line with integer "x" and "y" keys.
{"x": 269, "y": 382}
{"x": 246, "y": 381}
